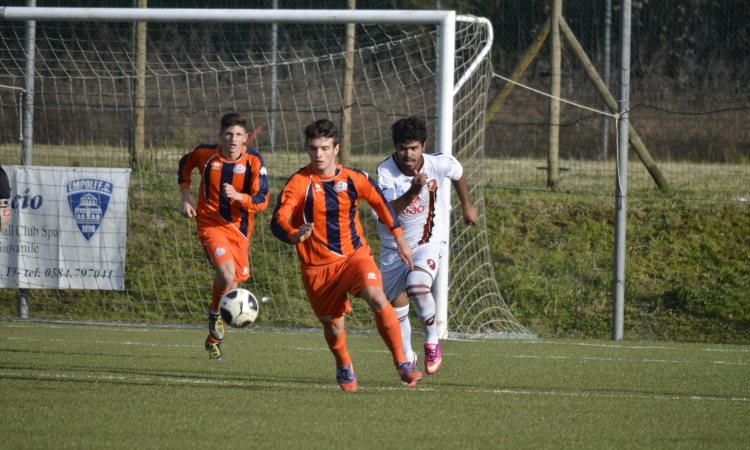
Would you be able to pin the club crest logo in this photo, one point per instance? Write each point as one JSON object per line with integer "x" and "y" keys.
{"x": 341, "y": 186}
{"x": 88, "y": 199}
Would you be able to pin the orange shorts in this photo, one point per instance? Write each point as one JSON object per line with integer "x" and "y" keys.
{"x": 227, "y": 244}
{"x": 327, "y": 286}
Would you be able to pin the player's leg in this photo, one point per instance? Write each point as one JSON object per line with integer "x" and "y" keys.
{"x": 334, "y": 332}
{"x": 329, "y": 301}
{"x": 394, "y": 271}
{"x": 363, "y": 279}
{"x": 419, "y": 289}
{"x": 401, "y": 307}
{"x": 225, "y": 255}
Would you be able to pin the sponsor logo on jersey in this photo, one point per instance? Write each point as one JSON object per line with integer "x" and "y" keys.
{"x": 372, "y": 276}
{"x": 431, "y": 264}
{"x": 215, "y": 165}
{"x": 432, "y": 185}
{"x": 220, "y": 251}
{"x": 239, "y": 169}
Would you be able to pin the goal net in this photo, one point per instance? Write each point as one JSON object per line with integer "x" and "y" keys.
{"x": 111, "y": 95}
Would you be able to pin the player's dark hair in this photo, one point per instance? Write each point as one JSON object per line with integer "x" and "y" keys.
{"x": 322, "y": 128}
{"x": 409, "y": 129}
{"x": 232, "y": 119}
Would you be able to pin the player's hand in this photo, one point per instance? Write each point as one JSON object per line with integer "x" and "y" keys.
{"x": 231, "y": 193}
{"x": 405, "y": 252}
{"x": 470, "y": 215}
{"x": 417, "y": 183}
{"x": 304, "y": 232}
{"x": 188, "y": 210}
{"x": 5, "y": 214}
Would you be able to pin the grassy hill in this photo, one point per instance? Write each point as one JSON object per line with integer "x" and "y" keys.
{"x": 687, "y": 265}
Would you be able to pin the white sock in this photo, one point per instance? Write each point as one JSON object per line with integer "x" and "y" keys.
{"x": 402, "y": 312}
{"x": 419, "y": 289}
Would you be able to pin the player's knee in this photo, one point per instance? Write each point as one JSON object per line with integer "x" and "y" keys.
{"x": 401, "y": 301}
{"x": 374, "y": 296}
{"x": 402, "y": 312}
{"x": 418, "y": 283}
{"x": 225, "y": 275}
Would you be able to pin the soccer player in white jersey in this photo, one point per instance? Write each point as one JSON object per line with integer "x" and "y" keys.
{"x": 411, "y": 181}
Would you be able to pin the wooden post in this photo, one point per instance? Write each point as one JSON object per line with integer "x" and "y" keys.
{"x": 139, "y": 101}
{"x": 553, "y": 153}
{"x": 518, "y": 72}
{"x": 346, "y": 113}
{"x": 609, "y": 99}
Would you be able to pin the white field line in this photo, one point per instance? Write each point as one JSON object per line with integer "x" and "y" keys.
{"x": 188, "y": 381}
{"x": 325, "y": 349}
{"x": 625, "y": 346}
{"x": 200, "y": 381}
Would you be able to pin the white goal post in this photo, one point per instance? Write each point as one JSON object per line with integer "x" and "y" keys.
{"x": 487, "y": 314}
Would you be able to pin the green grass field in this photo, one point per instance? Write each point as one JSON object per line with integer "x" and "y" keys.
{"x": 117, "y": 386}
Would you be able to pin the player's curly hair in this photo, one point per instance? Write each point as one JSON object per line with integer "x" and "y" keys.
{"x": 409, "y": 129}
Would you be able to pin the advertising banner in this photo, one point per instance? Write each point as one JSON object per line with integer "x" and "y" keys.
{"x": 68, "y": 229}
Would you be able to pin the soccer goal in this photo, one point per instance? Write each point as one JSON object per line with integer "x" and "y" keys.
{"x": 130, "y": 90}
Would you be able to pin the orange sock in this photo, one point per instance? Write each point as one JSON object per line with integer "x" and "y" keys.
{"x": 216, "y": 293}
{"x": 337, "y": 344}
{"x": 389, "y": 329}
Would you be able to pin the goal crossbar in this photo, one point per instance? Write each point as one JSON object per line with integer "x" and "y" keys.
{"x": 343, "y": 16}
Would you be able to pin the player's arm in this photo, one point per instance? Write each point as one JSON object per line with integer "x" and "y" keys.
{"x": 468, "y": 211}
{"x": 186, "y": 205}
{"x": 256, "y": 199}
{"x": 184, "y": 180}
{"x": 290, "y": 198}
{"x": 404, "y": 250}
{"x": 374, "y": 196}
{"x": 417, "y": 183}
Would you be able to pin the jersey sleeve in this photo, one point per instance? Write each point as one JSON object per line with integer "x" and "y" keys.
{"x": 256, "y": 197}
{"x": 290, "y": 198}
{"x": 386, "y": 182}
{"x": 450, "y": 166}
{"x": 188, "y": 162}
{"x": 371, "y": 192}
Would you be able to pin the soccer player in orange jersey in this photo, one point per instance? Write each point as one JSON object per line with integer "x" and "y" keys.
{"x": 317, "y": 211}
{"x": 233, "y": 187}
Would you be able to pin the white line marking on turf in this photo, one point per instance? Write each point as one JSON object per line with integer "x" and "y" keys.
{"x": 621, "y": 395}
{"x": 123, "y": 378}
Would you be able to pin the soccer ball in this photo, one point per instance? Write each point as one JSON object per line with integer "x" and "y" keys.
{"x": 239, "y": 308}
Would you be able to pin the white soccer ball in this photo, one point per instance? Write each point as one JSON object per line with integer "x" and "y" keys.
{"x": 239, "y": 308}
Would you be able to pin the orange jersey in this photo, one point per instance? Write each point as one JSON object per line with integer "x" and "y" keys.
{"x": 247, "y": 174}
{"x": 331, "y": 205}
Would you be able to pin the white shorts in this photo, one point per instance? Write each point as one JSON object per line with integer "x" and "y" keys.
{"x": 426, "y": 256}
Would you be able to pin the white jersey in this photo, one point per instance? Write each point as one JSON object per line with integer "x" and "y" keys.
{"x": 422, "y": 220}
